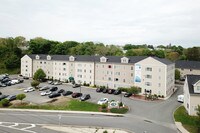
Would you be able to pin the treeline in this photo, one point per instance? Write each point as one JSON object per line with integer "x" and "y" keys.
{"x": 10, "y": 53}
{"x": 12, "y": 49}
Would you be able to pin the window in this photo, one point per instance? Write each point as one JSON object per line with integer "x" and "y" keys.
{"x": 159, "y": 69}
{"x": 109, "y": 66}
{"x": 148, "y": 69}
{"x": 147, "y": 83}
{"x": 116, "y": 79}
{"x": 103, "y": 66}
{"x": 131, "y": 74}
{"x": 64, "y": 63}
{"x": 90, "y": 71}
{"x": 85, "y": 70}
{"x": 159, "y": 84}
{"x": 190, "y": 69}
{"x": 40, "y": 62}
{"x": 109, "y": 78}
{"x": 124, "y": 80}
{"x": 26, "y": 66}
{"x": 64, "y": 69}
{"x": 148, "y": 76}
{"x": 182, "y": 69}
{"x": 198, "y": 88}
{"x": 131, "y": 68}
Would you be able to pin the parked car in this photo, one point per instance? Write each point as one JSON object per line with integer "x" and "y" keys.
{"x": 5, "y": 80}
{"x": 25, "y": 77}
{"x": 44, "y": 93}
{"x": 3, "y": 96}
{"x": 57, "y": 83}
{"x": 2, "y": 85}
{"x": 111, "y": 91}
{"x": 66, "y": 93}
{"x": 76, "y": 94}
{"x": 102, "y": 101}
{"x": 8, "y": 83}
{"x": 14, "y": 81}
{"x": 20, "y": 75}
{"x": 105, "y": 90}
{"x": 49, "y": 82}
{"x": 11, "y": 97}
{"x": 0, "y": 93}
{"x": 61, "y": 91}
{"x": 99, "y": 89}
{"x": 29, "y": 89}
{"x": 55, "y": 94}
{"x": 44, "y": 88}
{"x": 76, "y": 85}
{"x": 53, "y": 88}
{"x": 20, "y": 80}
{"x": 180, "y": 98}
{"x": 117, "y": 92}
{"x": 85, "y": 97}
{"x": 127, "y": 94}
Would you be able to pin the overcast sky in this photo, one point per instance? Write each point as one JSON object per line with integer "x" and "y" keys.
{"x": 108, "y": 21}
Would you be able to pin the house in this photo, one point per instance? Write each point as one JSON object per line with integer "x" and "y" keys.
{"x": 188, "y": 67}
{"x": 192, "y": 93}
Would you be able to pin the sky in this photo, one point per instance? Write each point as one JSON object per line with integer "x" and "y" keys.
{"x": 119, "y": 22}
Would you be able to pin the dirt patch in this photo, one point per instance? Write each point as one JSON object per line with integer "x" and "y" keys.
{"x": 58, "y": 101}
{"x": 17, "y": 103}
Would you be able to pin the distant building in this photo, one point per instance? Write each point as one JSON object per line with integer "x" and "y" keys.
{"x": 152, "y": 74}
{"x": 188, "y": 67}
{"x": 192, "y": 93}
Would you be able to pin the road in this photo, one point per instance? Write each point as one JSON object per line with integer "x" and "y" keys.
{"x": 151, "y": 116}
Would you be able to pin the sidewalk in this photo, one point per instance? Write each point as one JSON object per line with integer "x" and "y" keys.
{"x": 62, "y": 111}
{"x": 180, "y": 127}
{"x": 77, "y": 129}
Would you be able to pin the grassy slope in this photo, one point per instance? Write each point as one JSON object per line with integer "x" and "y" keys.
{"x": 189, "y": 122}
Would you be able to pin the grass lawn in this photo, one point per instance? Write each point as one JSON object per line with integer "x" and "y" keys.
{"x": 119, "y": 110}
{"x": 189, "y": 122}
{"x": 74, "y": 105}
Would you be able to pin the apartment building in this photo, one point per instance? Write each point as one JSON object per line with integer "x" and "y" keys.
{"x": 192, "y": 93}
{"x": 188, "y": 67}
{"x": 153, "y": 75}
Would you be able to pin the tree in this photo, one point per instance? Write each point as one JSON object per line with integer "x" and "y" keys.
{"x": 193, "y": 54}
{"x": 130, "y": 53}
{"x": 35, "y": 84}
{"x": 173, "y": 56}
{"x": 21, "y": 97}
{"x": 39, "y": 75}
{"x": 198, "y": 118}
{"x": 12, "y": 62}
{"x": 177, "y": 74}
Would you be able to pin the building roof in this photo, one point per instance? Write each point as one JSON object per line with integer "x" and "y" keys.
{"x": 89, "y": 58}
{"x": 191, "y": 80}
{"x": 187, "y": 64}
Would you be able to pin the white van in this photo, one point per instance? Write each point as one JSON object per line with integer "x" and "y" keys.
{"x": 180, "y": 98}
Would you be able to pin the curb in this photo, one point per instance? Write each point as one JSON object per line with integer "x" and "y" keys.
{"x": 179, "y": 125}
{"x": 66, "y": 112}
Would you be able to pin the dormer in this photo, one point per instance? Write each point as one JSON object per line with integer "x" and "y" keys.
{"x": 37, "y": 57}
{"x": 103, "y": 59}
{"x": 48, "y": 57}
{"x": 71, "y": 58}
{"x": 124, "y": 60}
{"x": 196, "y": 87}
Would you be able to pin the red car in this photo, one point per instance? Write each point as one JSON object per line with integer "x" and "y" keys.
{"x": 76, "y": 94}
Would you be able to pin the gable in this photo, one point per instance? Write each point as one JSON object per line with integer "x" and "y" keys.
{"x": 124, "y": 60}
{"x": 103, "y": 59}
{"x": 150, "y": 61}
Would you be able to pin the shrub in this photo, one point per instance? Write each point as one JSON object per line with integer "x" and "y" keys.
{"x": 5, "y": 102}
{"x": 134, "y": 90}
{"x": 162, "y": 96}
{"x": 104, "y": 106}
{"x": 105, "y": 131}
{"x": 123, "y": 89}
{"x": 120, "y": 104}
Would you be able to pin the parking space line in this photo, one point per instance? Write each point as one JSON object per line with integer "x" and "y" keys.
{"x": 16, "y": 124}
{"x": 32, "y": 126}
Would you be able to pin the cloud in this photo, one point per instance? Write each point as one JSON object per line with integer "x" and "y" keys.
{"x": 108, "y": 21}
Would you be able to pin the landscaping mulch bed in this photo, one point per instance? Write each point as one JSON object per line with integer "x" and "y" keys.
{"x": 142, "y": 97}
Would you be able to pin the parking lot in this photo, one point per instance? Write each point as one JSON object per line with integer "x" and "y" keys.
{"x": 35, "y": 97}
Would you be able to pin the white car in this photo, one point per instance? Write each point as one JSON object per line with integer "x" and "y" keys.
{"x": 102, "y": 101}
{"x": 180, "y": 98}
{"x": 29, "y": 89}
{"x": 44, "y": 93}
{"x": 44, "y": 88}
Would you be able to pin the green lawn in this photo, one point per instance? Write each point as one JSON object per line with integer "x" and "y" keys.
{"x": 189, "y": 122}
{"x": 74, "y": 105}
{"x": 119, "y": 110}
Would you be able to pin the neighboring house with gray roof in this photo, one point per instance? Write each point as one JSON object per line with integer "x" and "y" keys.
{"x": 192, "y": 93}
{"x": 109, "y": 71}
{"x": 188, "y": 67}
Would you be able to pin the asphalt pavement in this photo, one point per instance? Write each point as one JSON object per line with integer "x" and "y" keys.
{"x": 150, "y": 116}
